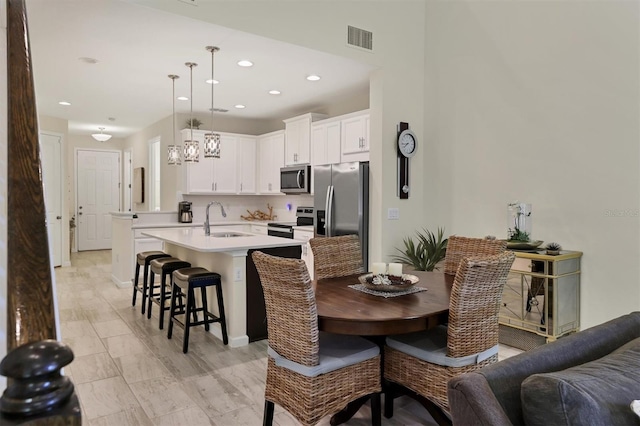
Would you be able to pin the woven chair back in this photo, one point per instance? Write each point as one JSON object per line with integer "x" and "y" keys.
{"x": 336, "y": 256}
{"x": 475, "y": 303}
{"x": 461, "y": 247}
{"x": 292, "y": 316}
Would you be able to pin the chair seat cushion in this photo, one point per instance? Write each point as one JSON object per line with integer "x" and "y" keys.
{"x": 431, "y": 346}
{"x": 336, "y": 351}
{"x": 595, "y": 393}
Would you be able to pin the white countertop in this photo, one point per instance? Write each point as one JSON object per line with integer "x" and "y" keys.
{"x": 194, "y": 239}
{"x": 191, "y": 225}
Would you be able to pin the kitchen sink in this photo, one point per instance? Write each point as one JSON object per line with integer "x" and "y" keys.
{"x": 227, "y": 234}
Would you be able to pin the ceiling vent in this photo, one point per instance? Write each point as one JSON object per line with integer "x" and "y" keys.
{"x": 358, "y": 37}
{"x": 219, "y": 110}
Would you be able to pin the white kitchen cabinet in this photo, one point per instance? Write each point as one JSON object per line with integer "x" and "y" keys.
{"x": 260, "y": 229}
{"x": 325, "y": 142}
{"x": 307, "y": 254}
{"x": 298, "y": 138}
{"x": 224, "y": 168}
{"x": 246, "y": 160}
{"x": 270, "y": 160}
{"x": 198, "y": 176}
{"x": 355, "y": 138}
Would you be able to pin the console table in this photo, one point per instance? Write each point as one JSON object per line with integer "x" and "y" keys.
{"x": 541, "y": 300}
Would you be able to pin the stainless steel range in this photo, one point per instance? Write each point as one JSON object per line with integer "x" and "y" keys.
{"x": 304, "y": 217}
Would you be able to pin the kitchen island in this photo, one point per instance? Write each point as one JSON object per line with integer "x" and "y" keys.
{"x": 225, "y": 252}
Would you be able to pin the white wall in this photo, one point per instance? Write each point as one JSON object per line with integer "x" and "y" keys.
{"x": 539, "y": 102}
{"x": 3, "y": 186}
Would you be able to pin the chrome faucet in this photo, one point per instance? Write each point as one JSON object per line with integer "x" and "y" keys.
{"x": 207, "y": 228}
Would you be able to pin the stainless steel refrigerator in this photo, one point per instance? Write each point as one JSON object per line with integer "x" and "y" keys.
{"x": 341, "y": 202}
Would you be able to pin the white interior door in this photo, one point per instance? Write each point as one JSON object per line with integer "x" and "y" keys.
{"x": 50, "y": 148}
{"x": 98, "y": 194}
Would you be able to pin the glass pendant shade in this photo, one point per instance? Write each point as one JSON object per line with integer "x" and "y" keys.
{"x": 191, "y": 151}
{"x": 173, "y": 150}
{"x": 101, "y": 137}
{"x": 191, "y": 146}
{"x": 174, "y": 157}
{"x": 212, "y": 145}
{"x": 212, "y": 140}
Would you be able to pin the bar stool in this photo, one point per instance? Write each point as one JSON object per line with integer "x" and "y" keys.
{"x": 163, "y": 267}
{"x": 143, "y": 259}
{"x": 185, "y": 281}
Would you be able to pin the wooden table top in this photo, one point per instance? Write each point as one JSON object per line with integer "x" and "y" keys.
{"x": 344, "y": 310}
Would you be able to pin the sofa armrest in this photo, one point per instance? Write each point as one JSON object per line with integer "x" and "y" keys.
{"x": 472, "y": 402}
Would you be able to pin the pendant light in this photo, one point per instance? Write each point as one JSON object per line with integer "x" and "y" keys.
{"x": 101, "y": 137}
{"x": 191, "y": 146}
{"x": 212, "y": 140}
{"x": 173, "y": 150}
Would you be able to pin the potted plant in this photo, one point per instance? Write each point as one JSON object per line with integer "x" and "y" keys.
{"x": 553, "y": 249}
{"x": 195, "y": 122}
{"x": 425, "y": 255}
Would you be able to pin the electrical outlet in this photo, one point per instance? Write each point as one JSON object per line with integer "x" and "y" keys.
{"x": 393, "y": 213}
{"x": 237, "y": 272}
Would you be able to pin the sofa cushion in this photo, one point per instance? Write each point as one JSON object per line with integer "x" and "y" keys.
{"x": 595, "y": 393}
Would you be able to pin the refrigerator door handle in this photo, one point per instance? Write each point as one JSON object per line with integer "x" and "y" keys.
{"x": 329, "y": 212}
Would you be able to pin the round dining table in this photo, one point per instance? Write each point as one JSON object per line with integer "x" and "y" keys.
{"x": 345, "y": 310}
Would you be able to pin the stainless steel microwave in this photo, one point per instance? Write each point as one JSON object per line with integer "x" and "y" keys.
{"x": 295, "y": 179}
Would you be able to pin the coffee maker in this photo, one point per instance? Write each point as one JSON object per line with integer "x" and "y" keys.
{"x": 185, "y": 215}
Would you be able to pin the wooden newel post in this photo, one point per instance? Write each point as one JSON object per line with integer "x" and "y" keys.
{"x": 37, "y": 393}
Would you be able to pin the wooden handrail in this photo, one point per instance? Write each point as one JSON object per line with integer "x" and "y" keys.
{"x": 36, "y": 391}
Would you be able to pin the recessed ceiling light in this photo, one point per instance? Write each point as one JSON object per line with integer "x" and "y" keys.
{"x": 313, "y": 77}
{"x": 274, "y": 92}
{"x": 245, "y": 63}
{"x": 214, "y": 81}
{"x": 65, "y": 103}
{"x": 183, "y": 98}
{"x": 240, "y": 106}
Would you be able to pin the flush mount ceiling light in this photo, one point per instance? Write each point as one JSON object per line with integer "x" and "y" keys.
{"x": 65, "y": 103}
{"x": 212, "y": 140}
{"x": 191, "y": 146}
{"x": 245, "y": 63}
{"x": 173, "y": 151}
{"x": 313, "y": 77}
{"x": 274, "y": 92}
{"x": 101, "y": 137}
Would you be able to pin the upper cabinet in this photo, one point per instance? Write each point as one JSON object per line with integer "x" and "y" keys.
{"x": 247, "y": 165}
{"x": 355, "y": 138}
{"x": 270, "y": 160}
{"x": 225, "y": 175}
{"x": 325, "y": 142}
{"x": 298, "y": 138}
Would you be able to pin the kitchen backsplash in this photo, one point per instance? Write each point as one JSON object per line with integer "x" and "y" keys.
{"x": 284, "y": 207}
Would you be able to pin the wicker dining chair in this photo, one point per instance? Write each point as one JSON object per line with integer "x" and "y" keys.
{"x": 460, "y": 247}
{"x": 310, "y": 373}
{"x": 425, "y": 361}
{"x": 336, "y": 256}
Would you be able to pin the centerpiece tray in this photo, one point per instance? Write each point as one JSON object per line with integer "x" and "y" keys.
{"x": 388, "y": 282}
{"x": 523, "y": 245}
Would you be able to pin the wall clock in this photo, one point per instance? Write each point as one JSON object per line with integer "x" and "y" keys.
{"x": 407, "y": 146}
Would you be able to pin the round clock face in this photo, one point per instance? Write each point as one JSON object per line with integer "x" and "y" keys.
{"x": 407, "y": 143}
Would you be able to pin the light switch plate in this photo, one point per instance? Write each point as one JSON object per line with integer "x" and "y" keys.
{"x": 393, "y": 213}
{"x": 237, "y": 274}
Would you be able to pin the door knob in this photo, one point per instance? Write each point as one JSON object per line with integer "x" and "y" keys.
{"x": 79, "y": 213}
{"x": 58, "y": 217}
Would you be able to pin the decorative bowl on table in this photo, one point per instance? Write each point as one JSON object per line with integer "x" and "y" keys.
{"x": 523, "y": 245}
{"x": 384, "y": 282}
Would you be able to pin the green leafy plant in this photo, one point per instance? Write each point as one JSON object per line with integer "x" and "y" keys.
{"x": 518, "y": 235}
{"x": 196, "y": 123}
{"x": 425, "y": 255}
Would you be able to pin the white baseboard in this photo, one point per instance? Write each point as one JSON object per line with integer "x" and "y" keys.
{"x": 234, "y": 342}
{"x": 120, "y": 284}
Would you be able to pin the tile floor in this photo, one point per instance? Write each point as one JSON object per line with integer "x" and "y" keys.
{"x": 127, "y": 372}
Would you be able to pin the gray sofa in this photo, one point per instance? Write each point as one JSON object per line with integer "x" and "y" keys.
{"x": 589, "y": 377}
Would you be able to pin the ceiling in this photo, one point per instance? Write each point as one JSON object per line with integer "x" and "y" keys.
{"x": 136, "y": 48}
